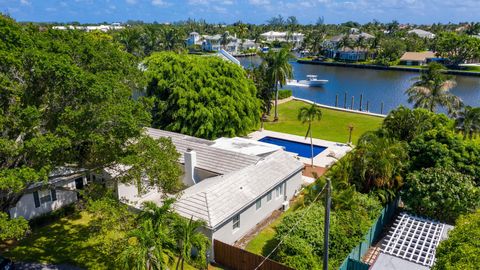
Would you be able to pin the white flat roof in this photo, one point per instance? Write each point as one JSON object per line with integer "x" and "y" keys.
{"x": 245, "y": 146}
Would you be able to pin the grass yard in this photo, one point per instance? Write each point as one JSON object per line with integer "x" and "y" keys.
{"x": 264, "y": 241}
{"x": 332, "y": 127}
{"x": 66, "y": 241}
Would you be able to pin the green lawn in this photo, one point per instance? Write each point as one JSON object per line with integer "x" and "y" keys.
{"x": 66, "y": 241}
{"x": 264, "y": 241}
{"x": 332, "y": 127}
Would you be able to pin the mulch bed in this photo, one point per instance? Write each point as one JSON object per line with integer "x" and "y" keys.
{"x": 314, "y": 171}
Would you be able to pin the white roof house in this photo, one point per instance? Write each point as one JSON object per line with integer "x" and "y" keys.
{"x": 219, "y": 198}
{"x": 283, "y": 36}
{"x": 232, "y": 183}
{"x": 422, "y": 33}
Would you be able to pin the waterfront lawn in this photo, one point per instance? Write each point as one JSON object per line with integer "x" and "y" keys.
{"x": 332, "y": 127}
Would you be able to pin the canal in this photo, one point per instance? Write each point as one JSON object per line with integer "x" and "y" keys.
{"x": 376, "y": 86}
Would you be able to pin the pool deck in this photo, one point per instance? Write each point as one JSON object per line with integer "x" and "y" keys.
{"x": 325, "y": 159}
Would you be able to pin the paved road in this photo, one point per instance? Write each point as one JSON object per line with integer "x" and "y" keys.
{"x": 40, "y": 266}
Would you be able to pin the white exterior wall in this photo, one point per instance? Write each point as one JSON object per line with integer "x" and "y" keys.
{"x": 25, "y": 207}
{"x": 250, "y": 217}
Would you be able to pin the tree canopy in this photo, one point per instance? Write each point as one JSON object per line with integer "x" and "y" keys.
{"x": 440, "y": 193}
{"x": 460, "y": 250}
{"x": 201, "y": 96}
{"x": 66, "y": 101}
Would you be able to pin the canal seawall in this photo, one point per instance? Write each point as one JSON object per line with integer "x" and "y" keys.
{"x": 378, "y": 67}
{"x": 337, "y": 108}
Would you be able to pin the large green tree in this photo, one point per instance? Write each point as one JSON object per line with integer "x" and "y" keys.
{"x": 457, "y": 48}
{"x": 66, "y": 101}
{"x": 201, "y": 96}
{"x": 440, "y": 193}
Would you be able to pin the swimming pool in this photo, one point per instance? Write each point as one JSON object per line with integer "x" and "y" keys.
{"x": 302, "y": 149}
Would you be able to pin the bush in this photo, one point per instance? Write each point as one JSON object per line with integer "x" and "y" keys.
{"x": 285, "y": 93}
{"x": 303, "y": 247}
{"x": 440, "y": 193}
{"x": 460, "y": 251}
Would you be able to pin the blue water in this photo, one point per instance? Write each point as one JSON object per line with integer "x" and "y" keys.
{"x": 302, "y": 149}
{"x": 376, "y": 87}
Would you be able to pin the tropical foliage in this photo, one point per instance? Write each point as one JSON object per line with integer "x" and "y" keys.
{"x": 278, "y": 71}
{"x": 302, "y": 234}
{"x": 66, "y": 100}
{"x": 440, "y": 193}
{"x": 201, "y": 96}
{"x": 309, "y": 114}
{"x": 432, "y": 89}
{"x": 460, "y": 250}
{"x": 468, "y": 122}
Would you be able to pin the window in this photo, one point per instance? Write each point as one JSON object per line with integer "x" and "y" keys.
{"x": 269, "y": 196}
{"x": 258, "y": 204}
{"x": 236, "y": 222}
{"x": 45, "y": 196}
{"x": 279, "y": 191}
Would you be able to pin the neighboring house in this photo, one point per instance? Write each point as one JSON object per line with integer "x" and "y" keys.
{"x": 296, "y": 38}
{"x": 211, "y": 43}
{"x": 194, "y": 38}
{"x": 334, "y": 48}
{"x": 416, "y": 58}
{"x": 422, "y": 33}
{"x": 231, "y": 183}
{"x": 42, "y": 198}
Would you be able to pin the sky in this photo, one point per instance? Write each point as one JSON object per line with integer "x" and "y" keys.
{"x": 250, "y": 11}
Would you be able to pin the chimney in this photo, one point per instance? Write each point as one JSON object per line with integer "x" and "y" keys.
{"x": 190, "y": 158}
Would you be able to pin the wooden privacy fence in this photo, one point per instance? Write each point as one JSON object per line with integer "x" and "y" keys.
{"x": 238, "y": 259}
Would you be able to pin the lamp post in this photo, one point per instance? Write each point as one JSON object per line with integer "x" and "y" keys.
{"x": 350, "y": 129}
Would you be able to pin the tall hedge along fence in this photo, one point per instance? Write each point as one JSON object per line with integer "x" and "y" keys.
{"x": 354, "y": 259}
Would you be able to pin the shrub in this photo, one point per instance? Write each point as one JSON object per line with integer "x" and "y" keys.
{"x": 440, "y": 193}
{"x": 285, "y": 93}
{"x": 460, "y": 251}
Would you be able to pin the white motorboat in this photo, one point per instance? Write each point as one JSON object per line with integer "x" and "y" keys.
{"x": 312, "y": 80}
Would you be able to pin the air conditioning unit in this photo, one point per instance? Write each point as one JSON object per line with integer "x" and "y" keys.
{"x": 285, "y": 205}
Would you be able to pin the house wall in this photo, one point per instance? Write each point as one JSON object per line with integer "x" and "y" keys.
{"x": 250, "y": 216}
{"x": 25, "y": 207}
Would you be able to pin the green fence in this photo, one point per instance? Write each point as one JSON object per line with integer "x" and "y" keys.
{"x": 354, "y": 259}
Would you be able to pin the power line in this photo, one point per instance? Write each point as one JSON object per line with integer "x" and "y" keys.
{"x": 291, "y": 229}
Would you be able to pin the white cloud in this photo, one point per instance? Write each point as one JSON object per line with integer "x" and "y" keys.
{"x": 25, "y": 2}
{"x": 159, "y": 3}
{"x": 259, "y": 2}
{"x": 131, "y": 2}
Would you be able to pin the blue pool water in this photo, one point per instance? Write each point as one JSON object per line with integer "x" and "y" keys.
{"x": 302, "y": 149}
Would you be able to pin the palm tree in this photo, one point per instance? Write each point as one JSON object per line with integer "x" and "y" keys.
{"x": 378, "y": 162}
{"x": 278, "y": 70}
{"x": 147, "y": 248}
{"x": 189, "y": 237}
{"x": 225, "y": 39}
{"x": 308, "y": 114}
{"x": 468, "y": 122}
{"x": 432, "y": 88}
{"x": 172, "y": 39}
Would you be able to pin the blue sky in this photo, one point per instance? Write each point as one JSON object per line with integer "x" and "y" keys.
{"x": 252, "y": 11}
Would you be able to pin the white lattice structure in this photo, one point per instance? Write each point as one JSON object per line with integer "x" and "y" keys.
{"x": 414, "y": 239}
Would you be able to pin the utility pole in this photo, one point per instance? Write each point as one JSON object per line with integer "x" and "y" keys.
{"x": 328, "y": 202}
